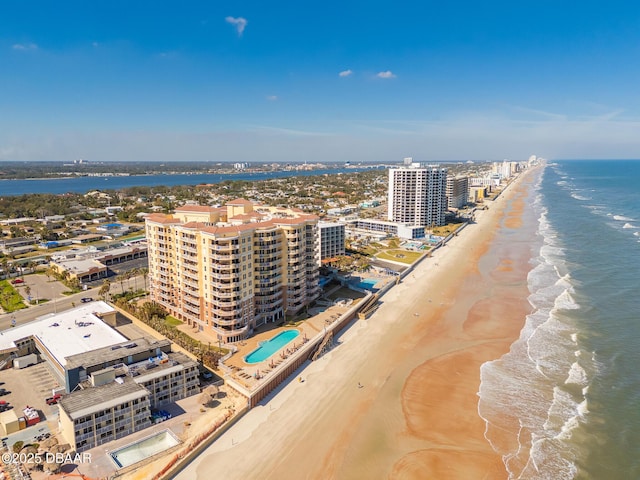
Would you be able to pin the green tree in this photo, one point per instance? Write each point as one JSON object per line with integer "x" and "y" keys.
{"x": 105, "y": 288}
{"x": 145, "y": 274}
{"x": 121, "y": 278}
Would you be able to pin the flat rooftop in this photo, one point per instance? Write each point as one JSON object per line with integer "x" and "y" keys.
{"x": 114, "y": 351}
{"x": 94, "y": 399}
{"x": 67, "y": 333}
{"x": 81, "y": 265}
{"x": 177, "y": 361}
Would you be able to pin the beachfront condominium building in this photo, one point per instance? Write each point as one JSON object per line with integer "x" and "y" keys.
{"x": 457, "y": 191}
{"x": 417, "y": 195}
{"x": 505, "y": 169}
{"x": 332, "y": 239}
{"x": 234, "y": 268}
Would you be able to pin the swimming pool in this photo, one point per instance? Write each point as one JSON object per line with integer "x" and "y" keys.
{"x": 147, "y": 447}
{"x": 367, "y": 284}
{"x": 271, "y": 346}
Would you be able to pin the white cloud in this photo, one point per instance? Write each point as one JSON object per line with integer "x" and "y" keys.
{"x": 387, "y": 74}
{"x": 346, "y": 73}
{"x": 25, "y": 46}
{"x": 272, "y": 98}
{"x": 240, "y": 23}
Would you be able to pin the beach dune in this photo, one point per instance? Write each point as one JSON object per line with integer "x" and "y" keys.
{"x": 416, "y": 415}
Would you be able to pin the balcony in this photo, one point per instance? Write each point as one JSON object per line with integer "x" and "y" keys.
{"x": 233, "y": 331}
{"x": 188, "y": 248}
{"x": 235, "y": 313}
{"x": 223, "y": 276}
{"x": 227, "y": 257}
{"x": 230, "y": 320}
{"x": 188, "y": 281}
{"x": 224, "y": 293}
{"x": 295, "y": 267}
{"x": 269, "y": 261}
{"x": 225, "y": 248}
{"x": 224, "y": 266}
{"x": 312, "y": 290}
{"x": 268, "y": 305}
{"x": 271, "y": 244}
{"x": 225, "y": 285}
{"x": 267, "y": 287}
{"x": 194, "y": 317}
{"x": 229, "y": 303}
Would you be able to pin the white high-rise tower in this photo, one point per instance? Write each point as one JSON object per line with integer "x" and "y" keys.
{"x": 417, "y": 195}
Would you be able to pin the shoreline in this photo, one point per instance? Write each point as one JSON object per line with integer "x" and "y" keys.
{"x": 409, "y": 419}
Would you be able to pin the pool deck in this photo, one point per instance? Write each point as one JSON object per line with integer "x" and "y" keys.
{"x": 327, "y": 310}
{"x": 187, "y": 420}
{"x": 249, "y": 374}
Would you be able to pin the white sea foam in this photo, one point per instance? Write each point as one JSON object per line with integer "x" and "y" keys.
{"x": 637, "y": 234}
{"x": 577, "y": 375}
{"x": 532, "y": 384}
{"x": 622, "y": 218}
{"x": 580, "y": 197}
{"x": 628, "y": 225}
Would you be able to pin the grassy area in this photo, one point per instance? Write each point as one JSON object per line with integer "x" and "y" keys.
{"x": 445, "y": 230}
{"x": 402, "y": 256}
{"x": 71, "y": 292}
{"x": 10, "y": 299}
{"x": 172, "y": 321}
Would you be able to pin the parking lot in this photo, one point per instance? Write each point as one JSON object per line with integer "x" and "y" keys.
{"x": 30, "y": 386}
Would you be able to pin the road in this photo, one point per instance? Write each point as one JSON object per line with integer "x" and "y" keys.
{"x": 57, "y": 302}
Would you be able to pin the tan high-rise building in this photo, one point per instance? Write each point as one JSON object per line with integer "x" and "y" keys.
{"x": 233, "y": 268}
{"x": 457, "y": 191}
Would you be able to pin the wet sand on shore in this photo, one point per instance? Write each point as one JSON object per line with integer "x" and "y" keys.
{"x": 416, "y": 416}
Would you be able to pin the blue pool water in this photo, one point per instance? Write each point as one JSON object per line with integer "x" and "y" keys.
{"x": 271, "y": 346}
{"x": 367, "y": 284}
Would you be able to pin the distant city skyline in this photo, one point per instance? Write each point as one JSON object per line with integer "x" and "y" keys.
{"x": 348, "y": 81}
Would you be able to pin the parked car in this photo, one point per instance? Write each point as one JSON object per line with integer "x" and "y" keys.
{"x": 16, "y": 281}
{"x": 86, "y": 299}
{"x": 53, "y": 400}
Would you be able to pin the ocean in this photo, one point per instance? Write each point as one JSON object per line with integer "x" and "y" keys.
{"x": 569, "y": 389}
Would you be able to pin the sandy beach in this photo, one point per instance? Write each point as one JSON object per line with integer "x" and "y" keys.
{"x": 418, "y": 360}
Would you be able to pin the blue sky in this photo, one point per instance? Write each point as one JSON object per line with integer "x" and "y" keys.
{"x": 325, "y": 81}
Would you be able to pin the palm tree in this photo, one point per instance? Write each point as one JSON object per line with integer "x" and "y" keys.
{"x": 50, "y": 272}
{"x": 121, "y": 278}
{"x": 31, "y": 265}
{"x": 128, "y": 275}
{"x": 5, "y": 267}
{"x": 104, "y": 290}
{"x": 134, "y": 274}
{"x": 145, "y": 273}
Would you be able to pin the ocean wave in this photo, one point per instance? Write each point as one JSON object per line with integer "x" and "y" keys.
{"x": 577, "y": 375}
{"x": 540, "y": 384}
{"x": 628, "y": 225}
{"x": 580, "y": 197}
{"x": 622, "y": 218}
